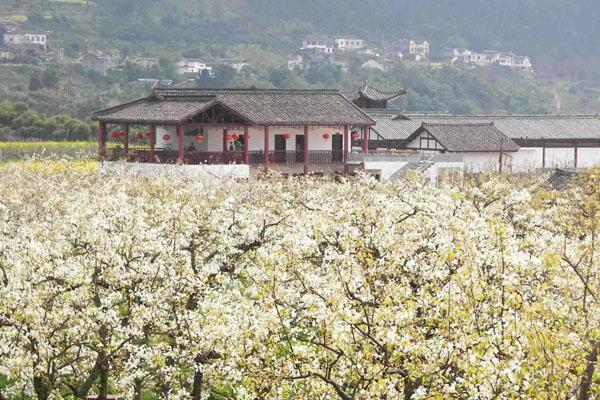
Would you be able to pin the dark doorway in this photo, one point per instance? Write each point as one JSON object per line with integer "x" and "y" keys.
{"x": 280, "y": 149}
{"x": 299, "y": 148}
{"x": 337, "y": 148}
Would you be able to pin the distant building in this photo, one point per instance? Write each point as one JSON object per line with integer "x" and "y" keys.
{"x": 191, "y": 66}
{"x": 416, "y": 49}
{"x": 349, "y": 43}
{"x": 296, "y": 62}
{"x": 24, "y": 39}
{"x": 319, "y": 43}
{"x": 495, "y": 57}
{"x": 454, "y": 55}
{"x": 6, "y": 53}
{"x": 236, "y": 63}
{"x": 93, "y": 62}
{"x": 146, "y": 62}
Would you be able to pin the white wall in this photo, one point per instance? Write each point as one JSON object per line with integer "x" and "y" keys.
{"x": 212, "y": 172}
{"x": 213, "y": 138}
{"x": 387, "y": 168}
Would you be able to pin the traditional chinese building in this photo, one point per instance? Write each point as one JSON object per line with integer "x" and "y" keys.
{"x": 368, "y": 97}
{"x": 244, "y": 126}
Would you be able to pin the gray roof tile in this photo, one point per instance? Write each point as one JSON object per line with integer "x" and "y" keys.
{"x": 260, "y": 107}
{"x": 468, "y": 137}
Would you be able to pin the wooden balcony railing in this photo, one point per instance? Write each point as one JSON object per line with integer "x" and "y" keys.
{"x": 231, "y": 157}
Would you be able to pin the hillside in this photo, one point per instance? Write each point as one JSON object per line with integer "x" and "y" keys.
{"x": 553, "y": 32}
{"x": 559, "y": 37}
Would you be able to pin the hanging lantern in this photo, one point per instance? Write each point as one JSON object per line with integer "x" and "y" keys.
{"x": 119, "y": 134}
{"x": 287, "y": 136}
{"x": 326, "y": 136}
{"x": 228, "y": 137}
{"x": 355, "y": 135}
{"x": 235, "y": 137}
{"x": 139, "y": 136}
{"x": 147, "y": 134}
{"x": 200, "y": 138}
{"x": 166, "y": 137}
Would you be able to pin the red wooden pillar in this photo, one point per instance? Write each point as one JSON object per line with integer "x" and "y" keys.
{"x": 126, "y": 143}
{"x": 102, "y": 141}
{"x": 366, "y": 132}
{"x": 152, "y": 143}
{"x": 543, "y": 154}
{"x": 346, "y": 147}
{"x": 246, "y": 147}
{"x": 306, "y": 152}
{"x": 266, "y": 160}
{"x": 181, "y": 137}
{"x": 575, "y": 156}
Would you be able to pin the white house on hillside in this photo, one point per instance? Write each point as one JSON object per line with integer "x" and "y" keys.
{"x": 319, "y": 43}
{"x": 414, "y": 48}
{"x": 191, "y": 66}
{"x": 349, "y": 43}
{"x": 25, "y": 39}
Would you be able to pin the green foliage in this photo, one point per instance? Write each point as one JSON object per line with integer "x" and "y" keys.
{"x": 18, "y": 120}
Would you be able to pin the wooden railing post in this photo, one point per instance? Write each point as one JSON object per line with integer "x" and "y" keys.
{"x": 246, "y": 141}
{"x": 181, "y": 140}
{"x": 152, "y": 144}
{"x": 346, "y": 146}
{"x": 266, "y": 159}
{"x": 126, "y": 143}
{"x": 102, "y": 141}
{"x": 306, "y": 152}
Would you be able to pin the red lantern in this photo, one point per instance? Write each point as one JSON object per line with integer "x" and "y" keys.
{"x": 228, "y": 137}
{"x": 166, "y": 137}
{"x": 199, "y": 138}
{"x": 119, "y": 134}
{"x": 287, "y": 136}
{"x": 235, "y": 137}
{"x": 148, "y": 133}
{"x": 355, "y": 135}
{"x": 139, "y": 136}
{"x": 326, "y": 136}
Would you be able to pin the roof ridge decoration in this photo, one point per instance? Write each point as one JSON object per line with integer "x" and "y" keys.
{"x": 373, "y": 93}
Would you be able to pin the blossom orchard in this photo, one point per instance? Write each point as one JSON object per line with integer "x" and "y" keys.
{"x": 296, "y": 289}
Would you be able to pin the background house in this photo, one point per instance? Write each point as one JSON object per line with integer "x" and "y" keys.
{"x": 24, "y": 39}
{"x": 189, "y": 66}
{"x": 94, "y": 62}
{"x": 318, "y": 43}
{"x": 416, "y": 49}
{"x": 349, "y": 43}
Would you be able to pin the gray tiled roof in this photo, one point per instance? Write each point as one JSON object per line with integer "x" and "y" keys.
{"x": 151, "y": 111}
{"x": 260, "y": 107}
{"x": 513, "y": 126}
{"x": 468, "y": 137}
{"x": 373, "y": 93}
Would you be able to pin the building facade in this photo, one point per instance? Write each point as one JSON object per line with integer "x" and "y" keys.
{"x": 271, "y": 128}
